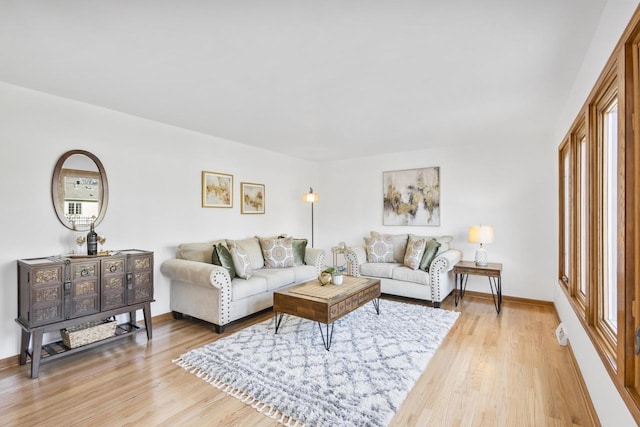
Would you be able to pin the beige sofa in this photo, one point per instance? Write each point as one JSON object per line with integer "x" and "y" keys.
{"x": 206, "y": 291}
{"x": 396, "y": 278}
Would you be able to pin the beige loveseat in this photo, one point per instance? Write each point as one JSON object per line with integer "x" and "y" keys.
{"x": 207, "y": 291}
{"x": 384, "y": 256}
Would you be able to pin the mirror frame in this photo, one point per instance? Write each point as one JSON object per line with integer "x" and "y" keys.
{"x": 55, "y": 190}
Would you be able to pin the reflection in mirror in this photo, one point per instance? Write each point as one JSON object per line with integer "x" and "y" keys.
{"x": 79, "y": 190}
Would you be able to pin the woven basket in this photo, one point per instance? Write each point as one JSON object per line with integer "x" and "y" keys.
{"x": 86, "y": 333}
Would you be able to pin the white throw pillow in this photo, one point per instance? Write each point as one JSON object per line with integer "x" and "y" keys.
{"x": 415, "y": 250}
{"x": 379, "y": 248}
{"x": 241, "y": 261}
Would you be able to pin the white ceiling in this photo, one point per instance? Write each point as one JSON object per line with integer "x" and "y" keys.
{"x": 313, "y": 79}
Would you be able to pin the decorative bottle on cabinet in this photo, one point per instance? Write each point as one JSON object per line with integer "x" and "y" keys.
{"x": 92, "y": 241}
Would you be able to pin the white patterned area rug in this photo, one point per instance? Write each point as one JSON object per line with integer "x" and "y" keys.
{"x": 374, "y": 362}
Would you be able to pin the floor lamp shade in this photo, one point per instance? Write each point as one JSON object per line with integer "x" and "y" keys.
{"x": 481, "y": 234}
{"x": 312, "y": 198}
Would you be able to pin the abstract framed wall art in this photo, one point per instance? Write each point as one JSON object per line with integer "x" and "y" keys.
{"x": 411, "y": 197}
{"x": 217, "y": 190}
{"x": 251, "y": 198}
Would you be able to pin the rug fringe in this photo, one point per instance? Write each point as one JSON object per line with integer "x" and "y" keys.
{"x": 265, "y": 409}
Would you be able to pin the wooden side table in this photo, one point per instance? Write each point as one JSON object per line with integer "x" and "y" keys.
{"x": 493, "y": 271}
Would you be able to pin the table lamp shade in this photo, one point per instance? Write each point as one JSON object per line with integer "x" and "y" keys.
{"x": 481, "y": 234}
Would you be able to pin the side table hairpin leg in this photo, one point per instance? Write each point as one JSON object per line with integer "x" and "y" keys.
{"x": 496, "y": 282}
{"x": 461, "y": 279}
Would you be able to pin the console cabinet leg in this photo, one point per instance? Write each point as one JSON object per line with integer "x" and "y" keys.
{"x": 146, "y": 310}
{"x": 24, "y": 346}
{"x": 36, "y": 352}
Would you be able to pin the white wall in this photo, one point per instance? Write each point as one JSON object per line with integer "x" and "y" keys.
{"x": 154, "y": 182}
{"x": 504, "y": 184}
{"x": 609, "y": 405}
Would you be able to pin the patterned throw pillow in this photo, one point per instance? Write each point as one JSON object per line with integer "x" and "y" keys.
{"x": 415, "y": 250}
{"x": 430, "y": 252}
{"x": 278, "y": 252}
{"x": 222, "y": 257}
{"x": 379, "y": 248}
{"x": 241, "y": 261}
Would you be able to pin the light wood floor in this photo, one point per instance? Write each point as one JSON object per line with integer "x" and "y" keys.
{"x": 505, "y": 370}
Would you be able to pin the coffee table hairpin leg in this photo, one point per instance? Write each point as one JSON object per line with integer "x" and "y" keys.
{"x": 326, "y": 342}
{"x": 278, "y": 321}
{"x": 376, "y": 305}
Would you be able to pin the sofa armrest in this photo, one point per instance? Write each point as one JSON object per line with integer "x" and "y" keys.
{"x": 315, "y": 257}
{"x": 442, "y": 282}
{"x": 355, "y": 257}
{"x": 197, "y": 273}
{"x": 445, "y": 261}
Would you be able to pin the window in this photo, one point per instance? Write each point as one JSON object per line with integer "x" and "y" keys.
{"x": 599, "y": 236}
{"x": 610, "y": 217}
{"x": 565, "y": 215}
{"x": 581, "y": 216}
{"x": 74, "y": 208}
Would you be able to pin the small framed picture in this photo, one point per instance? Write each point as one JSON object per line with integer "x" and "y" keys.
{"x": 217, "y": 190}
{"x": 251, "y": 198}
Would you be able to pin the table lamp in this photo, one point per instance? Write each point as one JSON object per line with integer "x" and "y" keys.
{"x": 481, "y": 234}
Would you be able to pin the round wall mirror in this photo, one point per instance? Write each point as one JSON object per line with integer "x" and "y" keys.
{"x": 79, "y": 190}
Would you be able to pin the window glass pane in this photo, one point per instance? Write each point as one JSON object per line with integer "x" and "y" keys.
{"x": 583, "y": 216}
{"x": 610, "y": 152}
{"x": 567, "y": 217}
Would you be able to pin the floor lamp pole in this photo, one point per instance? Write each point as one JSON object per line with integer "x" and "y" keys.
{"x": 312, "y": 224}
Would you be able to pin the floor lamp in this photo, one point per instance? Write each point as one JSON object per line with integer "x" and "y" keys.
{"x": 312, "y": 198}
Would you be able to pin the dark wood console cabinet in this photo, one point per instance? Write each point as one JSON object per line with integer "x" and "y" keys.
{"x": 58, "y": 292}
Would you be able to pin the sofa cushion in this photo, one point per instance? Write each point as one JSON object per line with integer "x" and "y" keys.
{"x": 277, "y": 252}
{"x": 376, "y": 269}
{"x": 252, "y": 248}
{"x": 222, "y": 257}
{"x": 243, "y": 288}
{"x": 200, "y": 252}
{"x": 276, "y": 277}
{"x": 379, "y": 248}
{"x": 445, "y": 242}
{"x": 304, "y": 272}
{"x": 299, "y": 250}
{"x": 429, "y": 255}
{"x": 241, "y": 261}
{"x": 408, "y": 275}
{"x": 414, "y": 252}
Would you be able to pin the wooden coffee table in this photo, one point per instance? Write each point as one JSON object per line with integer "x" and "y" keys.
{"x": 326, "y": 304}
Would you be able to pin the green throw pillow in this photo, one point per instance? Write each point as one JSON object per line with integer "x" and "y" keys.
{"x": 222, "y": 257}
{"x": 299, "y": 249}
{"x": 430, "y": 252}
